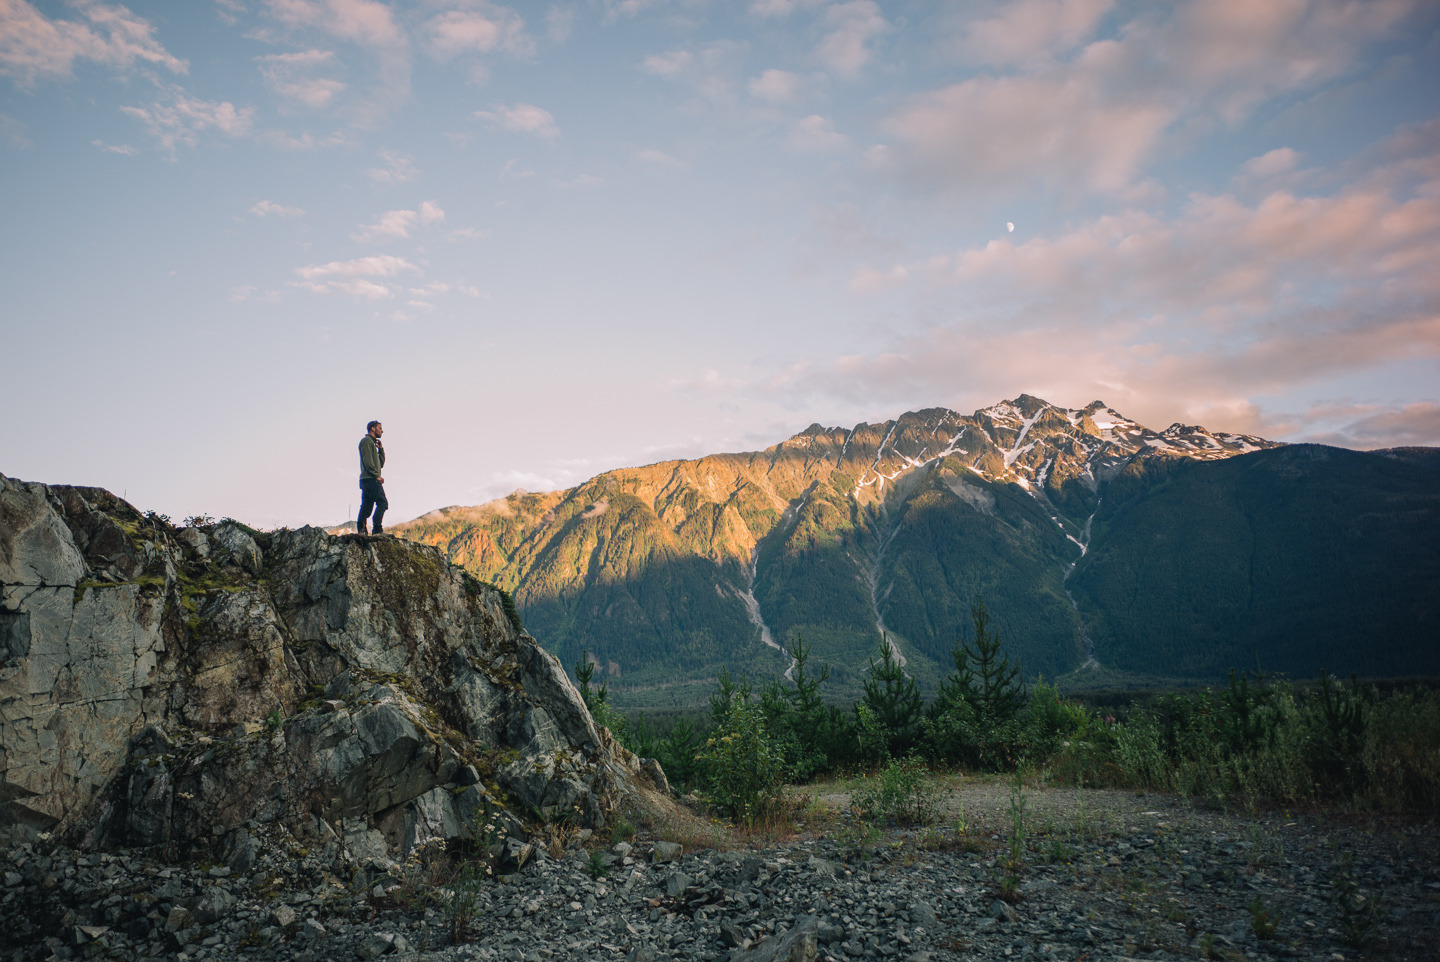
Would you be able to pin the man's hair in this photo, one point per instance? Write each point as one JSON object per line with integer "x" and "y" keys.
{"x": 371, "y": 426}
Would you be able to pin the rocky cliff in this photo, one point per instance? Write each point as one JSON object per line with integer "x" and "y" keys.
{"x": 197, "y": 688}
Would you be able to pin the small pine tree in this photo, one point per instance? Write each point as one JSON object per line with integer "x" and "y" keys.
{"x": 893, "y": 698}
{"x": 983, "y": 677}
{"x": 584, "y": 671}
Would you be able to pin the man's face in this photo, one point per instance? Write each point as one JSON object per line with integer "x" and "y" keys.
{"x": 377, "y": 430}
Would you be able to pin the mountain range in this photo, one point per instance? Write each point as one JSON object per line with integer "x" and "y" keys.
{"x": 1107, "y": 553}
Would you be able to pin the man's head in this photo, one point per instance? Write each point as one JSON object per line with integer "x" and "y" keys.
{"x": 374, "y": 429}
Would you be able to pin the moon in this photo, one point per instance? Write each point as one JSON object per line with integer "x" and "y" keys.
{"x": 1010, "y": 227}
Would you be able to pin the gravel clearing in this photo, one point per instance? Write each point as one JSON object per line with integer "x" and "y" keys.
{"x": 1105, "y": 876}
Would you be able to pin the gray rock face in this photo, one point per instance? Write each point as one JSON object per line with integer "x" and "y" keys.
{"x": 185, "y": 688}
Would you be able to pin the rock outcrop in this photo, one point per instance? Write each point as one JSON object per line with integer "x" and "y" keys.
{"x": 198, "y": 687}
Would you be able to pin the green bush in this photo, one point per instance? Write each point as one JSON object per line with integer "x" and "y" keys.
{"x": 902, "y": 792}
{"x": 1400, "y": 752}
{"x": 742, "y": 768}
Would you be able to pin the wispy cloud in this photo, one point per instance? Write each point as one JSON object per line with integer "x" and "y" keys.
{"x": 379, "y": 265}
{"x": 34, "y": 47}
{"x": 180, "y": 120}
{"x": 776, "y": 86}
{"x": 268, "y": 208}
{"x": 852, "y": 28}
{"x": 292, "y": 77}
{"x": 398, "y": 169}
{"x": 395, "y": 224}
{"x": 357, "y": 277}
{"x": 1094, "y": 122}
{"x": 124, "y": 150}
{"x": 815, "y": 133}
{"x": 479, "y": 29}
{"x": 658, "y": 158}
{"x": 1027, "y": 31}
{"x": 1369, "y": 425}
{"x": 369, "y": 25}
{"x": 1189, "y": 317}
{"x": 523, "y": 119}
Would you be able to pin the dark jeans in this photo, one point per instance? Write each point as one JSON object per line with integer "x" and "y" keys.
{"x": 372, "y": 495}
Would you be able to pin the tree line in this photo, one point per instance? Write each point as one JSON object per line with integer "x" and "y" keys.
{"x": 1257, "y": 739}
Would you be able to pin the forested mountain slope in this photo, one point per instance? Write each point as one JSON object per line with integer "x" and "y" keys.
{"x": 669, "y": 572}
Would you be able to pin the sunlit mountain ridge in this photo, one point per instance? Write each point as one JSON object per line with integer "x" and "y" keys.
{"x": 1105, "y": 550}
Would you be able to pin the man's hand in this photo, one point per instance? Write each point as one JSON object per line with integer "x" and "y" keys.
{"x": 381, "y": 480}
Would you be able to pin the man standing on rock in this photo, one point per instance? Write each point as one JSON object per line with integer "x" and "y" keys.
{"x": 372, "y": 478}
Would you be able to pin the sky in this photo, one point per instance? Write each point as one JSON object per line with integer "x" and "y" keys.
{"x": 541, "y": 241}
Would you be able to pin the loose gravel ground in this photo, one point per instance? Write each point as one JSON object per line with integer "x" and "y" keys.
{"x": 1102, "y": 876}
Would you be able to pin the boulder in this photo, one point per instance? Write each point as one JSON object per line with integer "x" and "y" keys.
{"x": 193, "y": 687}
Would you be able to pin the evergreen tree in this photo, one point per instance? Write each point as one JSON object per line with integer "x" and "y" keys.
{"x": 983, "y": 678}
{"x": 584, "y": 671}
{"x": 893, "y": 698}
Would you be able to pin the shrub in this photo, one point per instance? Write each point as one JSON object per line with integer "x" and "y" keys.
{"x": 1401, "y": 752}
{"x": 741, "y": 766}
{"x": 902, "y": 792}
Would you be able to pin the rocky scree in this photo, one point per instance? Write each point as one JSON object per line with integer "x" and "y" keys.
{"x": 1111, "y": 878}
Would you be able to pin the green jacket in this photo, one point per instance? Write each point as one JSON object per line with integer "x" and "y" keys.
{"x": 372, "y": 459}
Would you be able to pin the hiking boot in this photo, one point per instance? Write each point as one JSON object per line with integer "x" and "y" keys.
{"x": 360, "y": 527}
{"x": 379, "y": 532}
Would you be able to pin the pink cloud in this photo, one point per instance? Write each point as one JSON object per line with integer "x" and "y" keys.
{"x": 845, "y": 49}
{"x": 1030, "y": 30}
{"x": 35, "y": 47}
{"x": 180, "y": 120}
{"x": 1095, "y": 121}
{"x": 1366, "y": 426}
{"x": 477, "y": 31}
{"x": 522, "y": 118}
{"x": 1188, "y": 318}
{"x": 1017, "y": 129}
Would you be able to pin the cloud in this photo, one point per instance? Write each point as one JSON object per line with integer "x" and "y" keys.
{"x": 1178, "y": 318}
{"x": 658, "y": 159}
{"x": 776, "y": 86}
{"x": 711, "y": 71}
{"x": 628, "y": 8}
{"x": 559, "y": 22}
{"x": 481, "y": 29}
{"x": 288, "y": 75}
{"x": 268, "y": 208}
{"x": 1281, "y": 160}
{"x": 670, "y": 64}
{"x": 356, "y": 277}
{"x": 1095, "y": 122}
{"x": 1240, "y": 53}
{"x": 845, "y": 49}
{"x": 379, "y": 265}
{"x": 180, "y": 120}
{"x": 1030, "y": 30}
{"x": 398, "y": 169}
{"x": 815, "y": 133}
{"x": 1009, "y": 130}
{"x": 369, "y": 25}
{"x": 34, "y": 47}
{"x": 399, "y": 223}
{"x": 125, "y": 150}
{"x": 522, "y": 118}
{"x": 1368, "y": 425}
